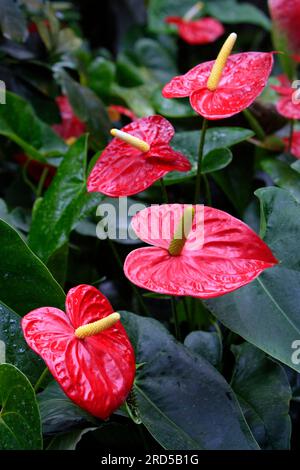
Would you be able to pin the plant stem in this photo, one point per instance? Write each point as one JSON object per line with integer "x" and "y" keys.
{"x": 41, "y": 379}
{"x": 200, "y": 158}
{"x": 134, "y": 288}
{"x": 292, "y": 126}
{"x": 164, "y": 193}
{"x": 256, "y": 127}
{"x": 175, "y": 319}
{"x": 41, "y": 182}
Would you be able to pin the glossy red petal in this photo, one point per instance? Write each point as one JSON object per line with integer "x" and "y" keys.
{"x": 243, "y": 80}
{"x": 174, "y": 20}
{"x": 202, "y": 31}
{"x": 286, "y": 15}
{"x": 183, "y": 85}
{"x": 232, "y": 255}
{"x": 86, "y": 304}
{"x": 288, "y": 109}
{"x": 123, "y": 170}
{"x": 168, "y": 159}
{"x": 97, "y": 373}
{"x": 295, "y": 144}
{"x": 155, "y": 225}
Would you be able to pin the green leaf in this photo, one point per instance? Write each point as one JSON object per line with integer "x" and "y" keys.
{"x": 171, "y": 108}
{"x": 207, "y": 344}
{"x": 16, "y": 350}
{"x": 12, "y": 21}
{"x": 232, "y": 12}
{"x": 19, "y": 123}
{"x": 216, "y": 160}
{"x": 265, "y": 312}
{"x": 138, "y": 99}
{"x": 69, "y": 440}
{"x": 181, "y": 399}
{"x": 227, "y": 11}
{"x": 283, "y": 175}
{"x": 264, "y": 393}
{"x": 59, "y": 413}
{"x": 20, "y": 424}
{"x": 25, "y": 282}
{"x": 63, "y": 203}
{"x": 87, "y": 106}
{"x": 157, "y": 59}
{"x": 188, "y": 143}
{"x": 101, "y": 74}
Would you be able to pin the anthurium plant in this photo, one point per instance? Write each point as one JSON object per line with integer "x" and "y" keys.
{"x": 149, "y": 226}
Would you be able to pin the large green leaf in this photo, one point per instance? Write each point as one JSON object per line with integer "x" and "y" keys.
{"x": 68, "y": 440}
{"x": 64, "y": 204}
{"x": 87, "y": 106}
{"x": 216, "y": 138}
{"x": 232, "y": 12}
{"x": 283, "y": 175}
{"x": 12, "y": 21}
{"x": 265, "y": 312}
{"x": 16, "y": 350}
{"x": 25, "y": 282}
{"x": 156, "y": 58}
{"x": 207, "y": 344}
{"x": 19, "y": 123}
{"x": 181, "y": 399}
{"x": 20, "y": 424}
{"x": 171, "y": 108}
{"x": 227, "y": 11}
{"x": 59, "y": 413}
{"x": 264, "y": 393}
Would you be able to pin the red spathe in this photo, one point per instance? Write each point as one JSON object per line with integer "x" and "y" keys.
{"x": 97, "y": 372}
{"x": 201, "y": 31}
{"x": 123, "y": 170}
{"x": 244, "y": 77}
{"x": 231, "y": 256}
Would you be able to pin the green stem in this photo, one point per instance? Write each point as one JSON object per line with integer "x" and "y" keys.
{"x": 41, "y": 379}
{"x": 164, "y": 193}
{"x": 254, "y": 124}
{"x": 207, "y": 191}
{"x": 26, "y": 179}
{"x": 175, "y": 318}
{"x": 41, "y": 182}
{"x": 134, "y": 288}
{"x": 200, "y": 158}
{"x": 292, "y": 126}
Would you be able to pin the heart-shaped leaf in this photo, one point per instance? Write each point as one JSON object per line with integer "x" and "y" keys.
{"x": 20, "y": 424}
{"x": 265, "y": 312}
{"x": 264, "y": 393}
{"x": 181, "y": 399}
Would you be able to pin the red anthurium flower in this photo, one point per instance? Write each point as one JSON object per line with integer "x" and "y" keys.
{"x": 86, "y": 349}
{"x": 212, "y": 259}
{"x": 289, "y": 105}
{"x": 138, "y": 156}
{"x": 295, "y": 147}
{"x": 219, "y": 89}
{"x": 286, "y": 15}
{"x": 201, "y": 31}
{"x": 115, "y": 112}
{"x": 69, "y": 129}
